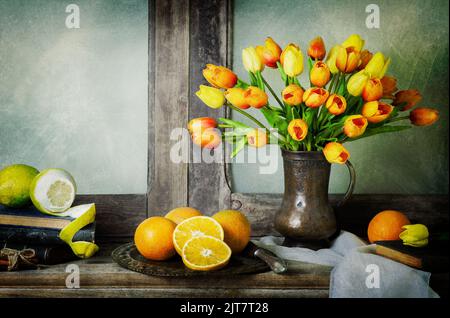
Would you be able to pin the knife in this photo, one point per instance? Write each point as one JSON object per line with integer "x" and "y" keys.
{"x": 276, "y": 264}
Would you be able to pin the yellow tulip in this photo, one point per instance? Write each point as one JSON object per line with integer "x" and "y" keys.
{"x": 378, "y": 65}
{"x": 357, "y": 82}
{"x": 212, "y": 97}
{"x": 292, "y": 60}
{"x": 331, "y": 59}
{"x": 376, "y": 111}
{"x": 347, "y": 59}
{"x": 320, "y": 74}
{"x": 251, "y": 60}
{"x": 334, "y": 152}
{"x": 355, "y": 126}
{"x": 415, "y": 235}
{"x": 298, "y": 129}
{"x": 354, "y": 41}
{"x": 257, "y": 138}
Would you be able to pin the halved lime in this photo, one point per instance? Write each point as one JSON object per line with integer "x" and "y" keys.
{"x": 53, "y": 191}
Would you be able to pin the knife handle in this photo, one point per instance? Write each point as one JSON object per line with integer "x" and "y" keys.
{"x": 276, "y": 264}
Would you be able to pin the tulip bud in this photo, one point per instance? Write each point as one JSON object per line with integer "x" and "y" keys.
{"x": 376, "y": 111}
{"x": 292, "y": 95}
{"x": 354, "y": 41}
{"x": 292, "y": 60}
{"x": 408, "y": 97}
{"x": 373, "y": 90}
{"x": 415, "y": 235}
{"x": 320, "y": 74}
{"x": 366, "y": 56}
{"x": 269, "y": 53}
{"x": 355, "y": 126}
{"x": 212, "y": 97}
{"x": 256, "y": 97}
{"x": 347, "y": 59}
{"x": 357, "y": 82}
{"x": 236, "y": 97}
{"x": 209, "y": 138}
{"x": 315, "y": 97}
{"x": 389, "y": 84}
{"x": 335, "y": 152}
{"x": 219, "y": 76}
{"x": 423, "y": 116}
{"x": 316, "y": 49}
{"x": 336, "y": 104}
{"x": 251, "y": 60}
{"x": 331, "y": 60}
{"x": 257, "y": 138}
{"x": 298, "y": 129}
{"x": 201, "y": 123}
{"x": 378, "y": 65}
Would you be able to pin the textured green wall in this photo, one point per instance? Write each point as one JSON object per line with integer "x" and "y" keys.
{"x": 414, "y": 34}
{"x": 76, "y": 98}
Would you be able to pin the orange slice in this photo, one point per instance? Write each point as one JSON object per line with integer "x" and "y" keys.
{"x": 205, "y": 253}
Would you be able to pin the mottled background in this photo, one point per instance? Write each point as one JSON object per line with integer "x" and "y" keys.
{"x": 76, "y": 98}
{"x": 414, "y": 34}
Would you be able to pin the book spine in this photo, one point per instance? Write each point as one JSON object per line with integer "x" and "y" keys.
{"x": 41, "y": 236}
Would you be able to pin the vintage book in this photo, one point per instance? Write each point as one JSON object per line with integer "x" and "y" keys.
{"x": 433, "y": 257}
{"x": 28, "y": 225}
{"x": 16, "y": 256}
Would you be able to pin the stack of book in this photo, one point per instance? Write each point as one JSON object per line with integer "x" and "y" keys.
{"x": 29, "y": 238}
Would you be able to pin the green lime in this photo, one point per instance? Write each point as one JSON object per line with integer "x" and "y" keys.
{"x": 53, "y": 191}
{"x": 15, "y": 184}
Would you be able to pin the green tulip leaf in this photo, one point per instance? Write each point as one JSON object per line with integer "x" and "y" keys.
{"x": 238, "y": 146}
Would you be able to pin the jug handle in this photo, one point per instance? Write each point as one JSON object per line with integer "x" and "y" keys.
{"x": 351, "y": 186}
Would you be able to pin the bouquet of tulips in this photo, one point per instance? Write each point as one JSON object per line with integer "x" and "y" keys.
{"x": 350, "y": 97}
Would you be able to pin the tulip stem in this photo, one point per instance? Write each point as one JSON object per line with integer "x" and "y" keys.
{"x": 397, "y": 119}
{"x": 272, "y": 92}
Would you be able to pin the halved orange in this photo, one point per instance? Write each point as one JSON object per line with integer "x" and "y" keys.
{"x": 195, "y": 227}
{"x": 205, "y": 253}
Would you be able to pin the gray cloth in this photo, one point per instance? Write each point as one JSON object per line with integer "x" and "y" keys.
{"x": 355, "y": 270}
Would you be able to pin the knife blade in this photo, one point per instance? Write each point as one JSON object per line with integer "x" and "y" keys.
{"x": 276, "y": 264}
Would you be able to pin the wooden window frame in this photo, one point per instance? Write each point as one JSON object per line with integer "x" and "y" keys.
{"x": 184, "y": 35}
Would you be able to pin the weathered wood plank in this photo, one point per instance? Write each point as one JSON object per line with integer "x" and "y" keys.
{"x": 354, "y": 216}
{"x": 118, "y": 214}
{"x": 208, "y": 188}
{"x": 168, "y": 186}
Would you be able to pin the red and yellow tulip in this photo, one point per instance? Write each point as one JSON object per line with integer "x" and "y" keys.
{"x": 255, "y": 97}
{"x": 219, "y": 76}
{"x": 236, "y": 97}
{"x": 336, "y": 104}
{"x": 201, "y": 123}
{"x": 355, "y": 126}
{"x": 292, "y": 95}
{"x": 376, "y": 111}
{"x": 320, "y": 74}
{"x": 269, "y": 53}
{"x": 316, "y": 49}
{"x": 373, "y": 90}
{"x": 335, "y": 152}
{"x": 209, "y": 138}
{"x": 347, "y": 59}
{"x": 315, "y": 97}
{"x": 257, "y": 138}
{"x": 298, "y": 129}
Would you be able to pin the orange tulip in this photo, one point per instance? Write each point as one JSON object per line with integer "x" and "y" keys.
{"x": 355, "y": 126}
{"x": 423, "y": 116}
{"x": 315, "y": 97}
{"x": 316, "y": 49}
{"x": 320, "y": 74}
{"x": 236, "y": 97}
{"x": 201, "y": 123}
{"x": 257, "y": 138}
{"x": 256, "y": 97}
{"x": 336, "y": 104}
{"x": 389, "y": 84}
{"x": 298, "y": 129}
{"x": 334, "y": 152}
{"x": 209, "y": 138}
{"x": 373, "y": 90}
{"x": 376, "y": 111}
{"x": 366, "y": 56}
{"x": 219, "y": 76}
{"x": 411, "y": 97}
{"x": 347, "y": 59}
{"x": 269, "y": 53}
{"x": 292, "y": 95}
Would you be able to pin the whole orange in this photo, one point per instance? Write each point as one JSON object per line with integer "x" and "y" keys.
{"x": 153, "y": 238}
{"x": 180, "y": 214}
{"x": 386, "y": 226}
{"x": 236, "y": 229}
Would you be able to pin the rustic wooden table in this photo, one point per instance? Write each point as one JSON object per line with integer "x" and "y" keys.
{"x": 101, "y": 277}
